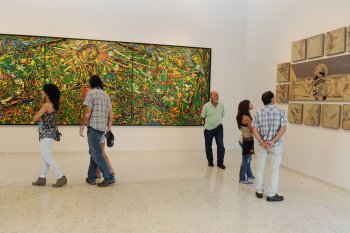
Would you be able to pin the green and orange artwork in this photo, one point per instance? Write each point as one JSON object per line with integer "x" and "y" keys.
{"x": 149, "y": 84}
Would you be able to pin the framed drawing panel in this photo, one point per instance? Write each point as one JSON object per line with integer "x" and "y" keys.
{"x": 295, "y": 113}
{"x": 330, "y": 115}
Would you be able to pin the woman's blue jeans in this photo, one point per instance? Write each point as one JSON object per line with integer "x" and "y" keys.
{"x": 245, "y": 171}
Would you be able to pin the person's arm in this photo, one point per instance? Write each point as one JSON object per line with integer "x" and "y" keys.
{"x": 261, "y": 141}
{"x": 278, "y": 135}
{"x": 248, "y": 121}
{"x": 257, "y": 135}
{"x": 203, "y": 114}
{"x": 41, "y": 112}
{"x": 110, "y": 119}
{"x": 85, "y": 120}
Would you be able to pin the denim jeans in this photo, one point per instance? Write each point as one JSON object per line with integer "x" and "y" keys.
{"x": 276, "y": 157}
{"x": 96, "y": 156}
{"x": 218, "y": 133}
{"x": 245, "y": 171}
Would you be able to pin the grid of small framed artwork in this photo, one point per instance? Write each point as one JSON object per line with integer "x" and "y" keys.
{"x": 317, "y": 80}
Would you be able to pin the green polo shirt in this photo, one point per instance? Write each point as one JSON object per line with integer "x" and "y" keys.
{"x": 212, "y": 115}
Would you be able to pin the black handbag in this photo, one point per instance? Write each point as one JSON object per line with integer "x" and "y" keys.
{"x": 58, "y": 134}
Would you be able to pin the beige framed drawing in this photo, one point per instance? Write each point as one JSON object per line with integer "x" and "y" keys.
{"x": 348, "y": 39}
{"x": 282, "y": 93}
{"x": 311, "y": 114}
{"x": 335, "y": 41}
{"x": 346, "y": 117}
{"x": 299, "y": 50}
{"x": 314, "y": 46}
{"x": 295, "y": 113}
{"x": 330, "y": 115}
{"x": 283, "y": 72}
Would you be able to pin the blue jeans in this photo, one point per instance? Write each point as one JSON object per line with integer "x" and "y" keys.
{"x": 218, "y": 133}
{"x": 96, "y": 156}
{"x": 245, "y": 171}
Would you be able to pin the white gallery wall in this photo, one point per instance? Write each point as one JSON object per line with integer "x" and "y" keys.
{"x": 248, "y": 37}
{"x": 218, "y": 24}
{"x": 272, "y": 25}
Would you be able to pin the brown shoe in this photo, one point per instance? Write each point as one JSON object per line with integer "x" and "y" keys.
{"x": 60, "y": 182}
{"x": 39, "y": 182}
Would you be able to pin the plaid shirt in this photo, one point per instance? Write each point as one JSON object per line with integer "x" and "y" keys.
{"x": 100, "y": 103}
{"x": 268, "y": 121}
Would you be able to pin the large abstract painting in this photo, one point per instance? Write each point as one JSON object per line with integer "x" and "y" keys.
{"x": 326, "y": 79}
{"x": 149, "y": 84}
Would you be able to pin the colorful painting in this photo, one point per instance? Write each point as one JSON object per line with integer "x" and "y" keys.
{"x": 282, "y": 93}
{"x": 299, "y": 50}
{"x": 323, "y": 80}
{"x": 335, "y": 41}
{"x": 330, "y": 115}
{"x": 314, "y": 46}
{"x": 346, "y": 117}
{"x": 283, "y": 72}
{"x": 149, "y": 84}
{"x": 295, "y": 113}
{"x": 311, "y": 114}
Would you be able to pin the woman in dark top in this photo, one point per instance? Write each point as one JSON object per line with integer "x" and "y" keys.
{"x": 244, "y": 122}
{"x": 46, "y": 117}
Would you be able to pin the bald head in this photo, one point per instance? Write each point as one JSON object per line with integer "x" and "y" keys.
{"x": 214, "y": 97}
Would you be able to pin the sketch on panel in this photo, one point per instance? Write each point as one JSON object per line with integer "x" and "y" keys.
{"x": 283, "y": 72}
{"x": 295, "y": 113}
{"x": 282, "y": 93}
{"x": 330, "y": 115}
{"x": 314, "y": 46}
{"x": 335, "y": 41}
{"x": 346, "y": 117}
{"x": 299, "y": 50}
{"x": 325, "y": 79}
{"x": 311, "y": 114}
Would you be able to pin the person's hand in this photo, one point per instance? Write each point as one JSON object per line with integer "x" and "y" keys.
{"x": 109, "y": 128}
{"x": 81, "y": 131}
{"x": 265, "y": 145}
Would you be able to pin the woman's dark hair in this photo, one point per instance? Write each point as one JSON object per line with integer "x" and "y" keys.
{"x": 243, "y": 109}
{"x": 267, "y": 97}
{"x": 95, "y": 81}
{"x": 54, "y": 94}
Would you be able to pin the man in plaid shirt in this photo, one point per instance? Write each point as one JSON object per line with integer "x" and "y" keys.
{"x": 98, "y": 117}
{"x": 269, "y": 125}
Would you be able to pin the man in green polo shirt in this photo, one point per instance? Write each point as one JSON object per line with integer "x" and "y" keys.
{"x": 212, "y": 113}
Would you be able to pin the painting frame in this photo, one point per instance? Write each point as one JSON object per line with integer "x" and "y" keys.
{"x": 283, "y": 70}
{"x": 298, "y": 50}
{"x": 311, "y": 114}
{"x": 315, "y": 46}
{"x": 295, "y": 113}
{"x": 330, "y": 116}
{"x": 197, "y": 90}
{"x": 335, "y": 41}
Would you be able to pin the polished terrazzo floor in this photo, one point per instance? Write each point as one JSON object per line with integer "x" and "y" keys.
{"x": 163, "y": 192}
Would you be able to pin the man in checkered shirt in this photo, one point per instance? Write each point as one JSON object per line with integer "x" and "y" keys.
{"x": 98, "y": 117}
{"x": 269, "y": 124}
